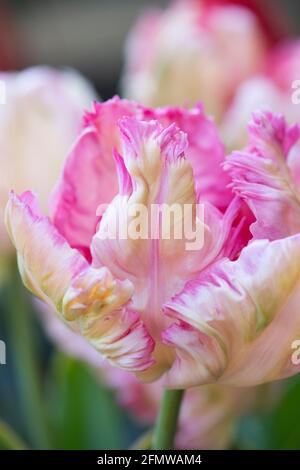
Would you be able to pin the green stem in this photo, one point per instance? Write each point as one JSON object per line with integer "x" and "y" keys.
{"x": 26, "y": 365}
{"x": 9, "y": 440}
{"x": 166, "y": 426}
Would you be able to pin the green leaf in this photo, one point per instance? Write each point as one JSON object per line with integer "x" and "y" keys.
{"x": 24, "y": 357}
{"x": 84, "y": 413}
{"x": 276, "y": 426}
{"x": 9, "y": 440}
{"x": 284, "y": 421}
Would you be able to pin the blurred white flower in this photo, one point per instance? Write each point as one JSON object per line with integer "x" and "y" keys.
{"x": 193, "y": 51}
{"x": 39, "y": 121}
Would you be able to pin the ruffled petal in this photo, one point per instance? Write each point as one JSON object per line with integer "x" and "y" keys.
{"x": 205, "y": 150}
{"x": 97, "y": 301}
{"x": 237, "y": 322}
{"x": 89, "y": 177}
{"x": 47, "y": 263}
{"x": 261, "y": 176}
{"x": 154, "y": 158}
{"x": 160, "y": 256}
{"x": 62, "y": 278}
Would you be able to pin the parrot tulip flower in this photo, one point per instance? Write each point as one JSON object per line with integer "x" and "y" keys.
{"x": 148, "y": 304}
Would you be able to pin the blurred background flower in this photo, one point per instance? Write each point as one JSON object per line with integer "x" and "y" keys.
{"x": 39, "y": 122}
{"x": 195, "y": 45}
{"x": 55, "y": 399}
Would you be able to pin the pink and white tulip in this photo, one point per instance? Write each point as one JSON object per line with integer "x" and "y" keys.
{"x": 225, "y": 312}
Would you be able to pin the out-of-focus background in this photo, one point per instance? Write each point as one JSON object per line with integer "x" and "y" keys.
{"x": 89, "y": 35}
{"x": 86, "y": 34}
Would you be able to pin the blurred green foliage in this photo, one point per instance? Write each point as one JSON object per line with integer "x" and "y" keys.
{"x": 276, "y": 428}
{"x": 84, "y": 415}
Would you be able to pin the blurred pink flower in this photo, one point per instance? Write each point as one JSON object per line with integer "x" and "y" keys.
{"x": 272, "y": 90}
{"x": 271, "y": 17}
{"x": 198, "y": 50}
{"x": 39, "y": 119}
{"x": 215, "y": 314}
{"x": 283, "y": 66}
